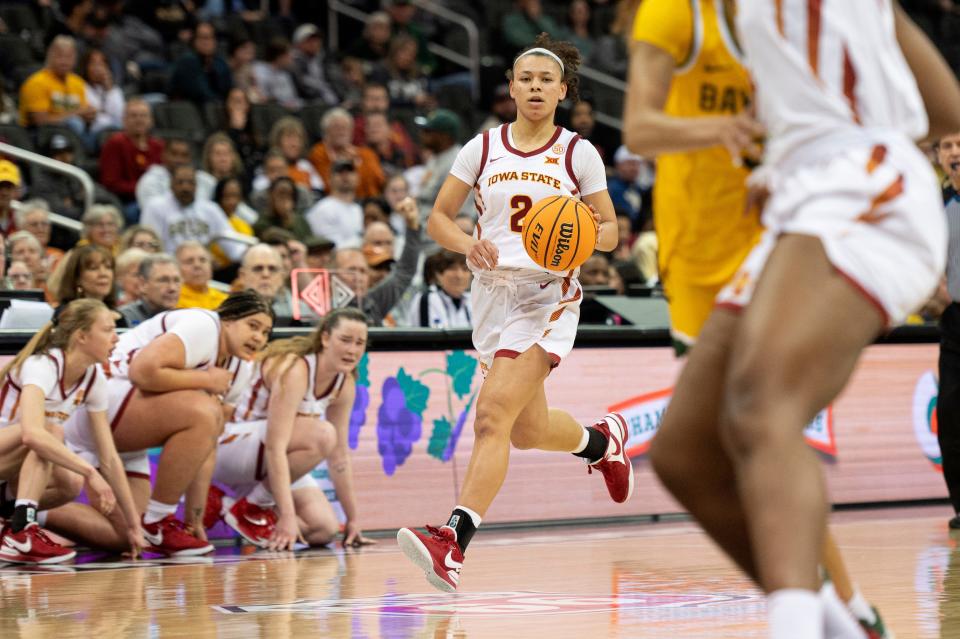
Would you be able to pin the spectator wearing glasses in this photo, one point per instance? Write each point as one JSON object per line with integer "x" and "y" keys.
{"x": 101, "y": 227}
{"x": 24, "y": 247}
{"x": 196, "y": 269}
{"x": 159, "y": 289}
{"x": 262, "y": 271}
{"x": 141, "y": 237}
{"x": 19, "y": 276}
{"x": 34, "y": 216}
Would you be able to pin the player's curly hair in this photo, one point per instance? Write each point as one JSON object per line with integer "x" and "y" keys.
{"x": 564, "y": 50}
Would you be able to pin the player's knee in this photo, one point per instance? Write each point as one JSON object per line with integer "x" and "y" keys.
{"x": 322, "y": 533}
{"x": 321, "y": 441}
{"x": 206, "y": 415}
{"x": 70, "y": 486}
{"x": 489, "y": 423}
{"x": 753, "y": 408}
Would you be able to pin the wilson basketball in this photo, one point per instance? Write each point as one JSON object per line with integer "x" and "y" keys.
{"x": 559, "y": 233}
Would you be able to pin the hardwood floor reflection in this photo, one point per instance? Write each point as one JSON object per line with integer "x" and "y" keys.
{"x": 654, "y": 580}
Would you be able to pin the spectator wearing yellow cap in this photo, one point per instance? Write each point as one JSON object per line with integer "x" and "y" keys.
{"x": 9, "y": 189}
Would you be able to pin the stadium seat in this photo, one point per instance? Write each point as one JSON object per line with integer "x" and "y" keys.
{"x": 181, "y": 117}
{"x": 263, "y": 117}
{"x": 17, "y": 136}
{"x": 312, "y": 114}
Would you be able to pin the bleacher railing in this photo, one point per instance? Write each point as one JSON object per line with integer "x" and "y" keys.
{"x": 60, "y": 167}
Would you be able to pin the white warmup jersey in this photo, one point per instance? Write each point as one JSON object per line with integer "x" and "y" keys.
{"x": 199, "y": 331}
{"x": 507, "y": 182}
{"x": 241, "y": 448}
{"x": 46, "y": 371}
{"x": 254, "y": 398}
{"x": 827, "y": 71}
{"x": 842, "y": 109}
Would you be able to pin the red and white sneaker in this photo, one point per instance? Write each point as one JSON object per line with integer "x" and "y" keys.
{"x": 438, "y": 555}
{"x": 213, "y": 511}
{"x": 254, "y": 523}
{"x": 169, "y": 537}
{"x": 615, "y": 466}
{"x": 32, "y": 546}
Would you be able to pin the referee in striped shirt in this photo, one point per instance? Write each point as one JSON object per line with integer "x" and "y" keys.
{"x": 948, "y": 400}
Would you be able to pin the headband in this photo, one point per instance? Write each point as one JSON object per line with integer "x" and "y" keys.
{"x": 542, "y": 51}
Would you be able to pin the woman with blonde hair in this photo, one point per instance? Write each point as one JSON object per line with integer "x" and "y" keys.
{"x": 293, "y": 415}
{"x": 102, "y": 224}
{"x": 56, "y": 372}
{"x": 290, "y": 138}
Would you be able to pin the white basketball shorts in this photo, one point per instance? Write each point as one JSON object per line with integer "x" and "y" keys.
{"x": 516, "y": 309}
{"x": 241, "y": 458}
{"x": 879, "y": 214}
{"x": 80, "y": 439}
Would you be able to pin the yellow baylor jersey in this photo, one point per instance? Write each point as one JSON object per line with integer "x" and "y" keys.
{"x": 699, "y": 198}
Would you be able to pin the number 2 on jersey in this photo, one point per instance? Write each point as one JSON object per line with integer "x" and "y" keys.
{"x": 520, "y": 204}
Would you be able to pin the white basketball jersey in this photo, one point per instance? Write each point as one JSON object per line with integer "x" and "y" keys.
{"x": 198, "y": 329}
{"x": 827, "y": 71}
{"x": 46, "y": 371}
{"x": 255, "y": 400}
{"x": 507, "y": 182}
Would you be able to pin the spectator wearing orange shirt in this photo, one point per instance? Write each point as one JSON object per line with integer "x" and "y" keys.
{"x": 290, "y": 138}
{"x": 337, "y": 126}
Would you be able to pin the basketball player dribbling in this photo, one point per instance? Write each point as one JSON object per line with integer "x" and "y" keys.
{"x": 688, "y": 105}
{"x": 855, "y": 241}
{"x": 525, "y": 318}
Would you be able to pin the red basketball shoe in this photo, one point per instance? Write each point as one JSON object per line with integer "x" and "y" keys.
{"x": 438, "y": 555}
{"x": 213, "y": 511}
{"x": 615, "y": 466}
{"x": 32, "y": 546}
{"x": 254, "y": 523}
{"x": 170, "y": 537}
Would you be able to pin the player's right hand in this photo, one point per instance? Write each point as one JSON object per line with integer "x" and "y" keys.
{"x": 483, "y": 255}
{"x": 101, "y": 493}
{"x": 286, "y": 533}
{"x": 740, "y": 135}
{"x": 218, "y": 380}
{"x": 136, "y": 540}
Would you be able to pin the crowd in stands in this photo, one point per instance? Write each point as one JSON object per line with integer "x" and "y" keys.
{"x": 200, "y": 122}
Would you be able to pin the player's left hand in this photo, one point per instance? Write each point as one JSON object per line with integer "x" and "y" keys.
{"x": 353, "y": 536}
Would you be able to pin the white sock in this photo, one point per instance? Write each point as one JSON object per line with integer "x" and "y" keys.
{"x": 860, "y": 607}
{"x": 42, "y": 518}
{"x": 584, "y": 440}
{"x": 838, "y": 621}
{"x": 157, "y": 511}
{"x": 26, "y": 502}
{"x": 795, "y": 613}
{"x": 261, "y": 496}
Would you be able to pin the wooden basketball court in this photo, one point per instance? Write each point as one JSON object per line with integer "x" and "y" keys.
{"x": 638, "y": 580}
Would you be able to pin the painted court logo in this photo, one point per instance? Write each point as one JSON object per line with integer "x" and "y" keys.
{"x": 644, "y": 414}
{"x": 925, "y": 417}
{"x": 493, "y": 604}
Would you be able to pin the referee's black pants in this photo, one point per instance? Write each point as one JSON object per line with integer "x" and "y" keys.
{"x": 948, "y": 401}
